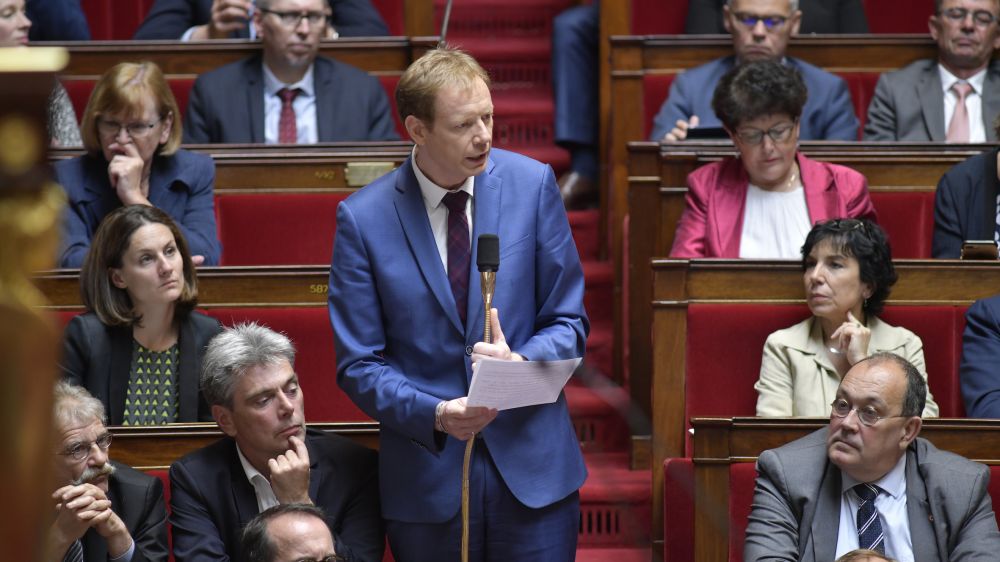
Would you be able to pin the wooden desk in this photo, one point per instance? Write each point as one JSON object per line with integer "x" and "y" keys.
{"x": 719, "y": 442}
{"x": 155, "y": 447}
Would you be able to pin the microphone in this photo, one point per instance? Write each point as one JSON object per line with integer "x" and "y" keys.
{"x": 488, "y": 262}
{"x": 444, "y": 25}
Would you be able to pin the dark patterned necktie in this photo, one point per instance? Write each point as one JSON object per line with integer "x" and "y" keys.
{"x": 870, "y": 533}
{"x": 75, "y": 552}
{"x": 286, "y": 123}
{"x": 458, "y": 249}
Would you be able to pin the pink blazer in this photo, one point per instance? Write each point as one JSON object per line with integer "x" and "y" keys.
{"x": 713, "y": 215}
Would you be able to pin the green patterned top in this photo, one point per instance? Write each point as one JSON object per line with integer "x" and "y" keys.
{"x": 152, "y": 387}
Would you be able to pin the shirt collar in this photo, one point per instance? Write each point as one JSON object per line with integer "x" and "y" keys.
{"x": 432, "y": 192}
{"x": 272, "y": 84}
{"x": 948, "y": 80}
{"x": 893, "y": 483}
{"x": 248, "y": 469}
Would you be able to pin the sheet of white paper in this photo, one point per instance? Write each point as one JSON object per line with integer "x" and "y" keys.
{"x": 512, "y": 384}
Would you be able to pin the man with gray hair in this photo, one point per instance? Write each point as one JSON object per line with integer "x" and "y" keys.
{"x": 267, "y": 457}
{"x": 289, "y": 532}
{"x": 103, "y": 510}
{"x": 867, "y": 481}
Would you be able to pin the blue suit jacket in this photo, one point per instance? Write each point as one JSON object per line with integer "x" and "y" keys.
{"x": 978, "y": 372}
{"x": 965, "y": 205}
{"x": 179, "y": 185}
{"x": 169, "y": 19}
{"x": 401, "y": 348}
{"x": 827, "y": 115}
{"x": 211, "y": 499}
{"x": 227, "y": 104}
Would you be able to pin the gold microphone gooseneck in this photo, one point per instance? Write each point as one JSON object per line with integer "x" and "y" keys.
{"x": 488, "y": 262}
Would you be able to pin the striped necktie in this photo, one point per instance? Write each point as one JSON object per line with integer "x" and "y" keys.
{"x": 75, "y": 552}
{"x": 870, "y": 533}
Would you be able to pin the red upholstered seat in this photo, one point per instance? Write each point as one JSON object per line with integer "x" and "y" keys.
{"x": 861, "y": 85}
{"x": 678, "y": 510}
{"x": 655, "y": 88}
{"x": 908, "y": 218}
{"x": 389, "y": 85}
{"x": 741, "y": 484}
{"x": 114, "y": 19}
{"x": 277, "y": 228}
{"x": 650, "y": 18}
{"x": 79, "y": 91}
{"x": 393, "y": 13}
{"x": 898, "y": 16}
{"x": 315, "y": 362}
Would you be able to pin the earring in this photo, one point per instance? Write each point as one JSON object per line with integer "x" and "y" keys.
{"x": 864, "y": 305}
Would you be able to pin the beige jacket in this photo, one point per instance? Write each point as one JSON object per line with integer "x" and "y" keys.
{"x": 798, "y": 379}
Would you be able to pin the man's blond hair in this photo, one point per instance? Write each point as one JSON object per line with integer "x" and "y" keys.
{"x": 445, "y": 66}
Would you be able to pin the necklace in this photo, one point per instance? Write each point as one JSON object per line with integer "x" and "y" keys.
{"x": 791, "y": 180}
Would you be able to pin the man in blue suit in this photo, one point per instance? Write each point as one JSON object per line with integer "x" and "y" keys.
{"x": 760, "y": 29}
{"x": 979, "y": 373}
{"x": 288, "y": 94}
{"x": 407, "y": 314}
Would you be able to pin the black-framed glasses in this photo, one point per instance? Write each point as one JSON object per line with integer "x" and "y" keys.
{"x": 868, "y": 415}
{"x": 135, "y": 130}
{"x": 778, "y": 133}
{"x": 81, "y": 451}
{"x": 958, "y": 15}
{"x": 292, "y": 19}
{"x": 750, "y": 20}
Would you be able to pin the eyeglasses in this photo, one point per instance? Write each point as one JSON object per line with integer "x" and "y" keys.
{"x": 333, "y": 558}
{"x": 81, "y": 451}
{"x": 134, "y": 130}
{"x": 292, "y": 19}
{"x": 778, "y": 133}
{"x": 958, "y": 15}
{"x": 750, "y": 20}
{"x": 867, "y": 414}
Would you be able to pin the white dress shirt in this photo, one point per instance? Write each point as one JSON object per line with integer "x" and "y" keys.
{"x": 973, "y": 102}
{"x": 891, "y": 506}
{"x": 775, "y": 224}
{"x": 261, "y": 486}
{"x": 437, "y": 213}
{"x": 304, "y": 106}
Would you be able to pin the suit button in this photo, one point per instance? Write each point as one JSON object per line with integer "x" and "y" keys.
{"x": 468, "y": 350}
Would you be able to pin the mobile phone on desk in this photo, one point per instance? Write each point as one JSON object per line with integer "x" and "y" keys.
{"x": 979, "y": 250}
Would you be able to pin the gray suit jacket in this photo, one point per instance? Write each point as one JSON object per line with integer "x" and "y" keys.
{"x": 908, "y": 104}
{"x": 796, "y": 505}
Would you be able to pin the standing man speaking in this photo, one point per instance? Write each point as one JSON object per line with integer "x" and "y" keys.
{"x": 407, "y": 314}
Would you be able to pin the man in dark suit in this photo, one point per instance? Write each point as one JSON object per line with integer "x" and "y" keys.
{"x": 104, "y": 510}
{"x": 978, "y": 372}
{"x": 57, "y": 20}
{"x": 954, "y": 98}
{"x": 761, "y": 29}
{"x": 231, "y": 19}
{"x": 267, "y": 457}
{"x": 868, "y": 481}
{"x": 818, "y": 16}
{"x": 288, "y": 94}
{"x": 407, "y": 313}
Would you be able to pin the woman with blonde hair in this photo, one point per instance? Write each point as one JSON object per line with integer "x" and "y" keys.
{"x": 131, "y": 131}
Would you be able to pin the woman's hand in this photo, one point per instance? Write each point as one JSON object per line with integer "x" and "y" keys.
{"x": 125, "y": 172}
{"x": 852, "y": 339}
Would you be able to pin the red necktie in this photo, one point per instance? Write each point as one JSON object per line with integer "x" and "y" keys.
{"x": 958, "y": 129}
{"x": 458, "y": 249}
{"x": 286, "y": 123}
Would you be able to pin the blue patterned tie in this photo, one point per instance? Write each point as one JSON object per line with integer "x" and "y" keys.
{"x": 870, "y": 533}
{"x": 458, "y": 249}
{"x": 74, "y": 553}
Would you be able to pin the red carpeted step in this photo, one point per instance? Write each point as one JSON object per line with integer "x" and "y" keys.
{"x": 598, "y": 415}
{"x": 640, "y": 554}
{"x": 586, "y": 226}
{"x": 615, "y": 506}
{"x": 501, "y": 18}
{"x": 599, "y": 281}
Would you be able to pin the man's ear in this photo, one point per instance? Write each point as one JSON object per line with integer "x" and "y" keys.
{"x": 416, "y": 128}
{"x": 795, "y": 21}
{"x": 725, "y": 19}
{"x": 224, "y": 418}
{"x": 910, "y": 431}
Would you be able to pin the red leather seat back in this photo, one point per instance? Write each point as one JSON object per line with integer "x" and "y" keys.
{"x": 315, "y": 361}
{"x": 79, "y": 91}
{"x": 678, "y": 510}
{"x": 393, "y": 14}
{"x": 277, "y": 228}
{"x": 655, "y": 89}
{"x": 389, "y": 85}
{"x": 653, "y": 17}
{"x": 908, "y": 219}
{"x": 114, "y": 19}
{"x": 898, "y": 16}
{"x": 861, "y": 85}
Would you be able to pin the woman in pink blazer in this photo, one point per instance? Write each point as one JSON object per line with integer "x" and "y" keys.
{"x": 763, "y": 202}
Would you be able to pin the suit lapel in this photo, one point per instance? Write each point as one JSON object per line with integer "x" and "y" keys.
{"x": 821, "y": 199}
{"x": 486, "y": 220}
{"x": 923, "y": 537}
{"x": 412, "y": 214}
{"x": 826, "y": 519}
{"x": 932, "y": 103}
{"x": 244, "y": 496}
{"x": 729, "y": 201}
{"x": 255, "y": 98}
{"x": 187, "y": 372}
{"x": 121, "y": 362}
{"x": 991, "y": 100}
{"x": 317, "y": 471}
{"x": 323, "y": 90}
